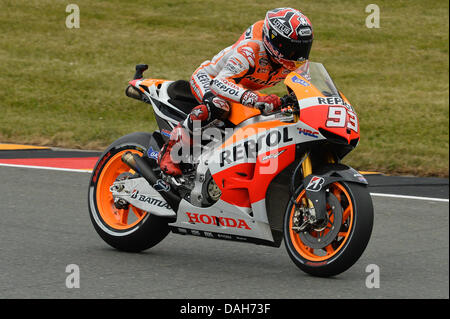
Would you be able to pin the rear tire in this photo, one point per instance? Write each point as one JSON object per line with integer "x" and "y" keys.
{"x": 131, "y": 229}
{"x": 353, "y": 211}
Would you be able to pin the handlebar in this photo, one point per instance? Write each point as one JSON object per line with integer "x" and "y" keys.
{"x": 288, "y": 100}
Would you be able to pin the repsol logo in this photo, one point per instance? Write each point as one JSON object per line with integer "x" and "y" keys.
{"x": 218, "y": 221}
{"x": 225, "y": 89}
{"x": 204, "y": 79}
{"x": 250, "y": 148}
{"x": 263, "y": 82}
{"x": 334, "y": 101}
{"x": 150, "y": 200}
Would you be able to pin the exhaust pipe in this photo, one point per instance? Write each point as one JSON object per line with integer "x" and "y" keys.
{"x": 138, "y": 164}
{"x": 132, "y": 92}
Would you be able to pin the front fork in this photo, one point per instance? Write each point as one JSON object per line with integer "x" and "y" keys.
{"x": 306, "y": 171}
{"x": 312, "y": 210}
{"x": 306, "y": 165}
{"x": 316, "y": 212}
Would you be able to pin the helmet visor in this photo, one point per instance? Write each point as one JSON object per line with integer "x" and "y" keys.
{"x": 289, "y": 49}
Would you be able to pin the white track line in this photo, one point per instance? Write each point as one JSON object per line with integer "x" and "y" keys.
{"x": 410, "y": 197}
{"x": 49, "y": 168}
{"x": 90, "y": 171}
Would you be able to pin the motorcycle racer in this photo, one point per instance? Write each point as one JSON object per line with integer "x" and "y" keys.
{"x": 262, "y": 57}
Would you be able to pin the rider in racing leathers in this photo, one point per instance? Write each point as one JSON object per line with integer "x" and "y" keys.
{"x": 263, "y": 56}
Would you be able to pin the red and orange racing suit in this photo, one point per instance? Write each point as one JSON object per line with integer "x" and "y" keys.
{"x": 234, "y": 74}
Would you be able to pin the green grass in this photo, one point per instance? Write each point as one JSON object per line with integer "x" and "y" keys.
{"x": 65, "y": 87}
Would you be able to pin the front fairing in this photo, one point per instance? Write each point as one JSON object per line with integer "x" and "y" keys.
{"x": 322, "y": 106}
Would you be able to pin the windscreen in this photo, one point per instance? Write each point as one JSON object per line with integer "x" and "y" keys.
{"x": 319, "y": 77}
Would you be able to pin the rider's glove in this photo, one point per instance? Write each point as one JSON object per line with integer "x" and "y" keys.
{"x": 268, "y": 103}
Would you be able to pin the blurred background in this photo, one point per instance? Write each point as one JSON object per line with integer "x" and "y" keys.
{"x": 65, "y": 87}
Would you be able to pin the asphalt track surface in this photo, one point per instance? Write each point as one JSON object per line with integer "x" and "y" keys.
{"x": 45, "y": 227}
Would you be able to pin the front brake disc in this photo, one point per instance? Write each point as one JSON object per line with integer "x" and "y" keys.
{"x": 328, "y": 235}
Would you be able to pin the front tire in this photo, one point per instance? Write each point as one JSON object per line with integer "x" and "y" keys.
{"x": 345, "y": 237}
{"x": 128, "y": 229}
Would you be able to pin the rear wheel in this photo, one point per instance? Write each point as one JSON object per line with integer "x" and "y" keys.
{"x": 335, "y": 246}
{"x": 124, "y": 227}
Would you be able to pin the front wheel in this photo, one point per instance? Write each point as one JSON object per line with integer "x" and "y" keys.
{"x": 333, "y": 248}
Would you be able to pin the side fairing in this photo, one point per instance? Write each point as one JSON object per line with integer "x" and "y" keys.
{"x": 245, "y": 164}
{"x": 243, "y": 167}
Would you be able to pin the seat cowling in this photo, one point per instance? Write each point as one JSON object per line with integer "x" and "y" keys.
{"x": 181, "y": 96}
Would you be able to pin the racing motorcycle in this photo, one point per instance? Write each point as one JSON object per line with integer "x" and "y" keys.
{"x": 262, "y": 179}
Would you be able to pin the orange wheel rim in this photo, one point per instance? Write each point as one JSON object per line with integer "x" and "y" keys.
{"x": 119, "y": 219}
{"x": 322, "y": 254}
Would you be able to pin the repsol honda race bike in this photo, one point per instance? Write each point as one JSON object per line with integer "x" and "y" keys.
{"x": 264, "y": 178}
